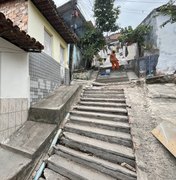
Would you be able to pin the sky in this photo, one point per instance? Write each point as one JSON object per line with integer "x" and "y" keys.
{"x": 132, "y": 11}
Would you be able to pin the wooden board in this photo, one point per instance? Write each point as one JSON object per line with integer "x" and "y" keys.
{"x": 166, "y": 134}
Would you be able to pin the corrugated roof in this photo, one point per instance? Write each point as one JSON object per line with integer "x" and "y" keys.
{"x": 17, "y": 37}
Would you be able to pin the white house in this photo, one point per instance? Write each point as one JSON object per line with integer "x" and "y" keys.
{"x": 14, "y": 76}
{"x": 162, "y": 40}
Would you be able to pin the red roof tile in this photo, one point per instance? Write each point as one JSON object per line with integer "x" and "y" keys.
{"x": 17, "y": 37}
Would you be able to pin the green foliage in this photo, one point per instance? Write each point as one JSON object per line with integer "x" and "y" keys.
{"x": 129, "y": 36}
{"x": 137, "y": 35}
{"x": 91, "y": 43}
{"x": 170, "y": 10}
{"x": 106, "y": 15}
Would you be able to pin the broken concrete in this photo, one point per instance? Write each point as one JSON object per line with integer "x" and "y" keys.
{"x": 73, "y": 170}
{"x": 101, "y": 134}
{"x": 101, "y": 165}
{"x": 113, "y": 152}
{"x": 112, "y": 117}
{"x": 104, "y": 124}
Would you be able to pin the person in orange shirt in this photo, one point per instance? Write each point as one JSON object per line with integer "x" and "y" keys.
{"x": 114, "y": 61}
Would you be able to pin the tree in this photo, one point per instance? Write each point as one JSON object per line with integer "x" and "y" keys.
{"x": 170, "y": 10}
{"x": 129, "y": 36}
{"x": 91, "y": 43}
{"x": 106, "y": 15}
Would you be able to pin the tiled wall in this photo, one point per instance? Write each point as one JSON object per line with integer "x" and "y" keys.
{"x": 44, "y": 76}
{"x": 13, "y": 113}
{"x": 67, "y": 77}
{"x": 16, "y": 11}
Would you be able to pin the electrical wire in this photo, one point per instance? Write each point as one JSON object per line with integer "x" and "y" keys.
{"x": 150, "y": 2}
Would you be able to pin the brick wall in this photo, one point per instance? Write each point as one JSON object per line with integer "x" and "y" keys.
{"x": 44, "y": 76}
{"x": 17, "y": 12}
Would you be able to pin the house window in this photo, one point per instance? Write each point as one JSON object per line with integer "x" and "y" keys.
{"x": 47, "y": 43}
{"x": 62, "y": 72}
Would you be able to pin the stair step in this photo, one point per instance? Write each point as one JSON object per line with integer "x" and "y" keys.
{"x": 108, "y": 151}
{"x": 104, "y": 89}
{"x": 111, "y": 110}
{"x": 104, "y": 124}
{"x": 101, "y": 134}
{"x": 52, "y": 175}
{"x": 115, "y": 96}
{"x": 120, "y": 100}
{"x": 103, "y": 104}
{"x": 103, "y": 92}
{"x": 112, "y": 117}
{"x": 112, "y": 80}
{"x": 98, "y": 164}
{"x": 73, "y": 170}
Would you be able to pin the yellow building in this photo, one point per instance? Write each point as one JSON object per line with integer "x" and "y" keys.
{"x": 41, "y": 20}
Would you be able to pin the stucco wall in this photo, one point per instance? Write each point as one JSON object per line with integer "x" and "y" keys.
{"x": 36, "y": 26}
{"x": 14, "y": 71}
{"x": 14, "y": 88}
{"x": 166, "y": 43}
{"x": 163, "y": 39}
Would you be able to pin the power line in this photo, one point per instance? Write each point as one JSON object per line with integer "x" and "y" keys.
{"x": 135, "y": 12}
{"x": 150, "y": 2}
{"x": 88, "y": 11}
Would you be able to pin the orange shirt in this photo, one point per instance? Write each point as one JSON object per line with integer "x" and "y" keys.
{"x": 113, "y": 57}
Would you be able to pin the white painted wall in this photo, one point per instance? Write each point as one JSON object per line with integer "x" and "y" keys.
{"x": 166, "y": 43}
{"x": 132, "y": 51}
{"x": 14, "y": 71}
{"x": 163, "y": 39}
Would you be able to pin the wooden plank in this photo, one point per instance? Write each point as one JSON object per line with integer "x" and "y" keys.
{"x": 166, "y": 134}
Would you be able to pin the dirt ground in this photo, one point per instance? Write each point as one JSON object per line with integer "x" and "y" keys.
{"x": 149, "y": 105}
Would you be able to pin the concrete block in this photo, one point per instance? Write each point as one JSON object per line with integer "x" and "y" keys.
{"x": 30, "y": 139}
{"x": 54, "y": 108}
{"x": 15, "y": 170}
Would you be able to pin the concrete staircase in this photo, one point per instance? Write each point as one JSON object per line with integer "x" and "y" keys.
{"x": 114, "y": 76}
{"x": 96, "y": 141}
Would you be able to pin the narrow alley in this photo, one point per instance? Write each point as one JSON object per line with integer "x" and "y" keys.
{"x": 107, "y": 134}
{"x": 96, "y": 140}
{"x": 87, "y": 90}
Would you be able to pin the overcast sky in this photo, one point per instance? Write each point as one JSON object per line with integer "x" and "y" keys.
{"x": 132, "y": 11}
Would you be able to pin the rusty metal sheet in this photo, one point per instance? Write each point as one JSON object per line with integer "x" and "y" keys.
{"x": 166, "y": 134}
